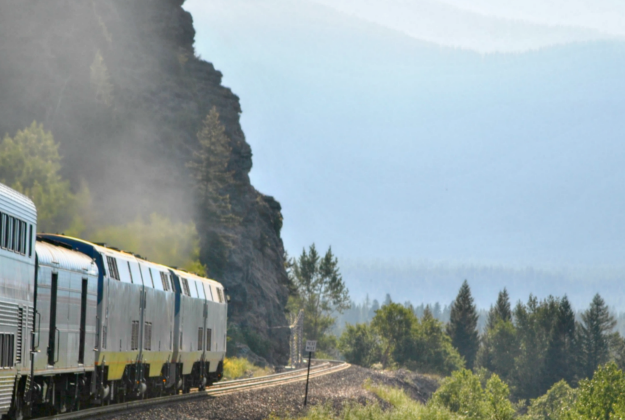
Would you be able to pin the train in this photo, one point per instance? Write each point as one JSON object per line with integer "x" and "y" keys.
{"x": 84, "y": 324}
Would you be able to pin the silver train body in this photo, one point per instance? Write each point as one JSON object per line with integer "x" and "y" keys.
{"x": 83, "y": 324}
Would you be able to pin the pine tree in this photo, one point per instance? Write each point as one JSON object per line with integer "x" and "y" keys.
{"x": 501, "y": 310}
{"x": 462, "y": 327}
{"x": 100, "y": 80}
{"x": 321, "y": 291}
{"x": 594, "y": 336}
{"x": 209, "y": 167}
{"x": 559, "y": 361}
{"x": 534, "y": 323}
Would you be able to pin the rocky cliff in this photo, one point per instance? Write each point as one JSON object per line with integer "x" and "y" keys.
{"x": 120, "y": 87}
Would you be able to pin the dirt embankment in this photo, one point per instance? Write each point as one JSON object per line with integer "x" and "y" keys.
{"x": 336, "y": 389}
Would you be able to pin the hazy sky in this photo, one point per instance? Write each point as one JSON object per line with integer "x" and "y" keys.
{"x": 481, "y": 131}
{"x": 493, "y": 25}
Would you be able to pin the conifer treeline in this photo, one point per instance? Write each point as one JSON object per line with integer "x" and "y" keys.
{"x": 540, "y": 343}
{"x": 532, "y": 345}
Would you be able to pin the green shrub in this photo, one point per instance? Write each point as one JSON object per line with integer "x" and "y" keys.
{"x": 462, "y": 393}
{"x": 159, "y": 239}
{"x": 602, "y": 397}
{"x": 256, "y": 342}
{"x": 360, "y": 345}
{"x": 239, "y": 367}
{"x": 30, "y": 163}
{"x": 402, "y": 408}
{"x": 554, "y": 405}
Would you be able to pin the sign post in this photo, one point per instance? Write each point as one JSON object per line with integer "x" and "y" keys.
{"x": 311, "y": 346}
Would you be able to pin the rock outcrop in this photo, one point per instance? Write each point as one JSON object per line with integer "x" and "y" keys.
{"x": 120, "y": 87}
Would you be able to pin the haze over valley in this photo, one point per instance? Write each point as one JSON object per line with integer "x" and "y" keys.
{"x": 432, "y": 141}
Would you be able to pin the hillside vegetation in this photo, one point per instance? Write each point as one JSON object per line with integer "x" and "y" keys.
{"x": 135, "y": 142}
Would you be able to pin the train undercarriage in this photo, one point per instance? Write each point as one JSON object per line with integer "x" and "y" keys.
{"x": 57, "y": 394}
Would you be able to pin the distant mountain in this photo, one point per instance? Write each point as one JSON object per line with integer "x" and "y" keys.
{"x": 389, "y": 147}
{"x": 430, "y": 282}
{"x": 484, "y": 26}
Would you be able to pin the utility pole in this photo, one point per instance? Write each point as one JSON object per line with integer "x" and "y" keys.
{"x": 297, "y": 336}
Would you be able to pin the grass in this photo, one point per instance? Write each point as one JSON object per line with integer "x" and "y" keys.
{"x": 402, "y": 407}
{"x": 239, "y": 367}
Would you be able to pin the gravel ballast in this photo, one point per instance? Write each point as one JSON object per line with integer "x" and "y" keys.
{"x": 287, "y": 400}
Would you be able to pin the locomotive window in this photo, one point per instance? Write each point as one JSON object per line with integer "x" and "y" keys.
{"x": 130, "y": 271}
{"x": 164, "y": 281}
{"x": 30, "y": 242}
{"x": 23, "y": 232}
{"x": 9, "y": 233}
{"x": 113, "y": 271}
{"x": 7, "y": 229}
{"x": 20, "y": 237}
{"x": 7, "y": 343}
{"x": 173, "y": 285}
{"x": 16, "y": 235}
{"x": 200, "y": 338}
{"x": 2, "y": 228}
{"x": 147, "y": 283}
{"x": 220, "y": 295}
{"x": 209, "y": 335}
{"x": 200, "y": 290}
{"x": 209, "y": 294}
{"x": 152, "y": 278}
{"x": 185, "y": 286}
{"x": 24, "y": 235}
{"x": 193, "y": 288}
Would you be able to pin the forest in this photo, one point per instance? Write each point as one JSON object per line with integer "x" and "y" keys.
{"x": 539, "y": 359}
{"x": 544, "y": 361}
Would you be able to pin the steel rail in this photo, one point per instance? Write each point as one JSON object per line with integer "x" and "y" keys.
{"x": 222, "y": 384}
{"x": 234, "y": 387}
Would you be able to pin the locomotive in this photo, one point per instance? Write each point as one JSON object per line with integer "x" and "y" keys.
{"x": 86, "y": 324}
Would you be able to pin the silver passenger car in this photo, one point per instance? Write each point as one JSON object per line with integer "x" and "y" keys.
{"x": 82, "y": 323}
{"x": 201, "y": 325}
{"x": 66, "y": 300}
{"x": 18, "y": 225}
{"x": 148, "y": 325}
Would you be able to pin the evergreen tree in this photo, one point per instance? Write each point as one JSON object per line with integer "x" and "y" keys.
{"x": 462, "y": 327}
{"x": 501, "y": 310}
{"x": 321, "y": 291}
{"x": 375, "y": 305}
{"x": 499, "y": 344}
{"x": 209, "y": 167}
{"x": 502, "y": 344}
{"x": 594, "y": 335}
{"x": 560, "y": 358}
{"x": 534, "y": 323}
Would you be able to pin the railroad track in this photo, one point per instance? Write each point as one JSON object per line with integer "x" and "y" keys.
{"x": 222, "y": 388}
